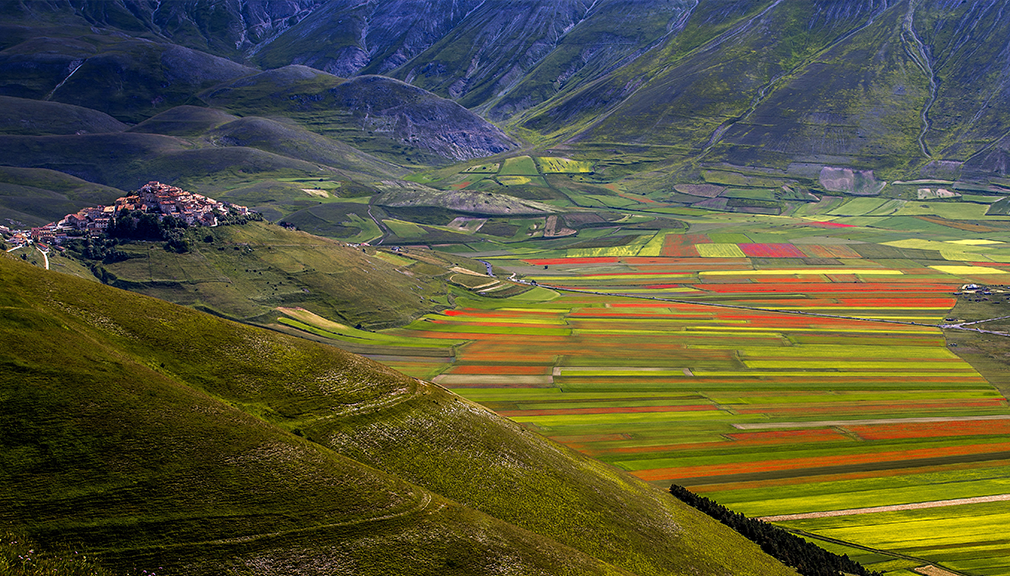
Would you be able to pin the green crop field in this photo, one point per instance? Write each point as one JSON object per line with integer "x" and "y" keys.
{"x": 520, "y": 166}
{"x": 556, "y": 165}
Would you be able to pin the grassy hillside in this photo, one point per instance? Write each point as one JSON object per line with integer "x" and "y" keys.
{"x": 39, "y": 118}
{"x": 156, "y": 437}
{"x": 248, "y": 271}
{"x": 36, "y": 196}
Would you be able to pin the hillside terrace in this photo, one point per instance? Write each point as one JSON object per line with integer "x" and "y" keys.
{"x": 154, "y": 198}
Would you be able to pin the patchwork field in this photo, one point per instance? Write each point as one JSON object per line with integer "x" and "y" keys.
{"x": 777, "y": 366}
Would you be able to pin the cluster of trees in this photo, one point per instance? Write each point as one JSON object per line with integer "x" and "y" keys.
{"x": 807, "y": 558}
{"x": 100, "y": 248}
{"x": 232, "y": 218}
{"x": 139, "y": 225}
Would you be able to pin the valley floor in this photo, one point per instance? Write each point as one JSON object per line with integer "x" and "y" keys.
{"x": 782, "y": 367}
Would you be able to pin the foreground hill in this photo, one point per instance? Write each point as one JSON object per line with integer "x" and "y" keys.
{"x": 158, "y": 437}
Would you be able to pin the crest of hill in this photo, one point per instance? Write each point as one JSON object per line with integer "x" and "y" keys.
{"x": 36, "y": 196}
{"x": 402, "y": 194}
{"x": 277, "y": 136}
{"x": 184, "y": 121}
{"x": 174, "y": 439}
{"x": 293, "y": 141}
{"x": 370, "y": 112}
{"x": 39, "y": 118}
{"x": 127, "y": 160}
{"x": 129, "y": 79}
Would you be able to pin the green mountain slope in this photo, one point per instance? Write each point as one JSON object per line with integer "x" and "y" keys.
{"x": 108, "y": 446}
{"x": 508, "y": 56}
{"x": 184, "y": 121}
{"x": 346, "y": 38}
{"x": 128, "y": 160}
{"x": 373, "y": 113}
{"x": 174, "y": 440}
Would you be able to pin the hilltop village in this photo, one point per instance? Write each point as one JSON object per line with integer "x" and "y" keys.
{"x": 152, "y": 198}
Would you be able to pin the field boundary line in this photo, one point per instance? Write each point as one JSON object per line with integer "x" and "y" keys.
{"x": 891, "y": 508}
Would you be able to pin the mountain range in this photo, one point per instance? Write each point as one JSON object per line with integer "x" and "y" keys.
{"x": 905, "y": 88}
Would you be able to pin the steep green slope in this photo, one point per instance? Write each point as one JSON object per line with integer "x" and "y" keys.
{"x": 966, "y": 47}
{"x": 129, "y": 450}
{"x": 729, "y": 65}
{"x": 365, "y": 38}
{"x": 154, "y": 436}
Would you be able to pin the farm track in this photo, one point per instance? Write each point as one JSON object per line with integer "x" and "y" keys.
{"x": 423, "y": 503}
{"x": 891, "y": 508}
{"x": 383, "y": 403}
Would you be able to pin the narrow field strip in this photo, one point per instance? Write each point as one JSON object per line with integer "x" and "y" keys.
{"x": 873, "y": 467}
{"x": 868, "y": 422}
{"x": 892, "y": 508}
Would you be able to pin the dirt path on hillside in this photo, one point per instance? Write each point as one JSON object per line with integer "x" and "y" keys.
{"x": 894, "y": 508}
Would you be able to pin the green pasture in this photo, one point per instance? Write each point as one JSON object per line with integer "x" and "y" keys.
{"x": 520, "y": 165}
